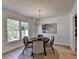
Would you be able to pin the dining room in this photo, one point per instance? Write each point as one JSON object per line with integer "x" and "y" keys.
{"x": 39, "y": 29}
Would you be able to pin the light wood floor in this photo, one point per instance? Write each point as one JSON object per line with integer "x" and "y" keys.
{"x": 64, "y": 53}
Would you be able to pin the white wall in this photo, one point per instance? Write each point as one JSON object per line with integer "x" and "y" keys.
{"x": 63, "y": 29}
{"x": 10, "y": 14}
{"x": 72, "y": 25}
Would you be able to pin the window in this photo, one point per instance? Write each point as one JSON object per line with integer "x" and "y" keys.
{"x": 16, "y": 30}
{"x": 24, "y": 29}
{"x": 13, "y": 30}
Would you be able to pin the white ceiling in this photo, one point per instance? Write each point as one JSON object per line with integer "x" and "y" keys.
{"x": 50, "y": 8}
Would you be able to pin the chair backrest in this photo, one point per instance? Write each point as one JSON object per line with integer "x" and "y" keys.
{"x": 34, "y": 38}
{"x": 38, "y": 47}
{"x": 25, "y": 40}
{"x": 52, "y": 40}
{"x": 40, "y": 35}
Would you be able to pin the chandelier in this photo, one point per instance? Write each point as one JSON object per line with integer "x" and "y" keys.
{"x": 39, "y": 10}
{"x": 39, "y": 16}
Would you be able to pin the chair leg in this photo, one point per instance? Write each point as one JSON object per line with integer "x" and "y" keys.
{"x": 26, "y": 48}
{"x": 31, "y": 53}
{"x": 23, "y": 51}
{"x": 52, "y": 49}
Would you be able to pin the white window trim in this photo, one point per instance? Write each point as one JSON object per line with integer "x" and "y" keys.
{"x": 20, "y": 37}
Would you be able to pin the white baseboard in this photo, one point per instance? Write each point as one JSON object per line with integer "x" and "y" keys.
{"x": 12, "y": 48}
{"x": 64, "y": 44}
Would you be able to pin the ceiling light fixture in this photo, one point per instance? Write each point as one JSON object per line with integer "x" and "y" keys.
{"x": 39, "y": 13}
{"x": 39, "y": 16}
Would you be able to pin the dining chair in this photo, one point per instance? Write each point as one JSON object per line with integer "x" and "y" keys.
{"x": 38, "y": 47}
{"x": 27, "y": 44}
{"x": 50, "y": 44}
{"x": 34, "y": 38}
{"x": 40, "y": 35}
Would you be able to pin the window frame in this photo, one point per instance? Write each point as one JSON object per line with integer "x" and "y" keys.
{"x": 20, "y": 37}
